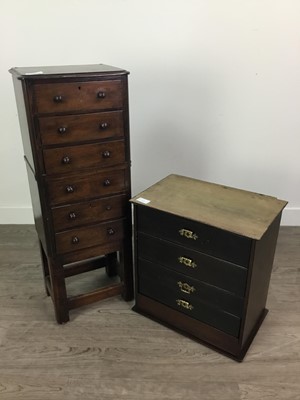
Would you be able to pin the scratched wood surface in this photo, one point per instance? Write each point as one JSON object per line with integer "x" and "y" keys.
{"x": 239, "y": 211}
{"x": 108, "y": 352}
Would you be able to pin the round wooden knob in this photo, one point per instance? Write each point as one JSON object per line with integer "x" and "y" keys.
{"x": 103, "y": 125}
{"x": 101, "y": 95}
{"x": 106, "y": 154}
{"x": 108, "y": 207}
{"x": 110, "y": 231}
{"x": 106, "y": 182}
{"x": 72, "y": 215}
{"x": 66, "y": 160}
{"x": 62, "y": 129}
{"x": 69, "y": 189}
{"x": 75, "y": 239}
{"x": 57, "y": 99}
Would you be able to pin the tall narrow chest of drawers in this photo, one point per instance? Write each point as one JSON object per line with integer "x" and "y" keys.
{"x": 75, "y": 130}
{"x": 204, "y": 255}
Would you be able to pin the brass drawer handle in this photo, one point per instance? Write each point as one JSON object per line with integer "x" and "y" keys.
{"x": 186, "y": 288}
{"x": 72, "y": 215}
{"x": 110, "y": 231}
{"x": 188, "y": 234}
{"x": 187, "y": 262}
{"x": 184, "y": 304}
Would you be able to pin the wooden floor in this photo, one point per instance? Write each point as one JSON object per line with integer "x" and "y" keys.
{"x": 109, "y": 352}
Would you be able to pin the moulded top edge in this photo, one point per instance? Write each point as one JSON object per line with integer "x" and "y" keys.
{"x": 65, "y": 71}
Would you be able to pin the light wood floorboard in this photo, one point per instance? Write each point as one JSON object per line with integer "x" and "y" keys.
{"x": 108, "y": 352}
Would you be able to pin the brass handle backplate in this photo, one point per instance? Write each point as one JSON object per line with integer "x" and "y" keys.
{"x": 188, "y": 234}
{"x": 184, "y": 304}
{"x": 185, "y": 287}
{"x": 187, "y": 262}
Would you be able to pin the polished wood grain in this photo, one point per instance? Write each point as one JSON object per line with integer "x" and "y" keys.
{"x": 85, "y": 186}
{"x": 108, "y": 352}
{"x": 69, "y": 116}
{"x": 65, "y": 129}
{"x": 78, "y": 96}
{"x": 72, "y": 158}
{"x": 88, "y": 212}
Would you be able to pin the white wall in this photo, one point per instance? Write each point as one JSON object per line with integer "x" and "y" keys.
{"x": 214, "y": 87}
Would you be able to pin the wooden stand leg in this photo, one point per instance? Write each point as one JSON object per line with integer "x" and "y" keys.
{"x": 55, "y": 273}
{"x": 45, "y": 268}
{"x": 58, "y": 291}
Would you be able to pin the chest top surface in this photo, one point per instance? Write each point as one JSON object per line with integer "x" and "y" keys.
{"x": 46, "y": 72}
{"x": 239, "y": 211}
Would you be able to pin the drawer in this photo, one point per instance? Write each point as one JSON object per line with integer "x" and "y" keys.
{"x": 214, "y": 271}
{"x": 78, "y": 96}
{"x": 68, "y": 217}
{"x": 206, "y": 303}
{"x": 176, "y": 284}
{"x": 194, "y": 235}
{"x": 72, "y": 158}
{"x": 85, "y": 186}
{"x": 79, "y": 128}
{"x": 95, "y": 235}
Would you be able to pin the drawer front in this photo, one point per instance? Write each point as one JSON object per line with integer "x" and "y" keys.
{"x": 72, "y": 158}
{"x": 190, "y": 297}
{"x": 79, "y": 128}
{"x": 85, "y": 186}
{"x": 78, "y": 96}
{"x": 194, "y": 235}
{"x": 68, "y": 217}
{"x": 193, "y": 290}
{"x": 81, "y": 238}
{"x": 214, "y": 271}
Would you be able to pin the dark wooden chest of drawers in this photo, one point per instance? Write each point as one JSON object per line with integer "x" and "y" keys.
{"x": 203, "y": 255}
{"x": 75, "y": 130}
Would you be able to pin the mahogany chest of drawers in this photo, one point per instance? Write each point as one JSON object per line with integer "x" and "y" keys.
{"x": 203, "y": 256}
{"x": 75, "y": 130}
